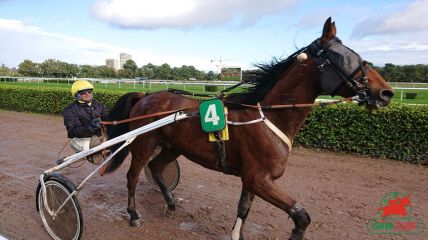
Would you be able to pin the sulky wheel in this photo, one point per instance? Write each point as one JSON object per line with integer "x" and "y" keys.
{"x": 171, "y": 175}
{"x": 68, "y": 223}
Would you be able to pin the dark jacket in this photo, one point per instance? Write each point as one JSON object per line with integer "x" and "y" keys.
{"x": 77, "y": 117}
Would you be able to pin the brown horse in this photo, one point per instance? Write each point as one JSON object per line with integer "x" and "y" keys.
{"x": 255, "y": 152}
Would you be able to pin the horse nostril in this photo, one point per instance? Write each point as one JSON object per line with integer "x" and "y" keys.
{"x": 386, "y": 95}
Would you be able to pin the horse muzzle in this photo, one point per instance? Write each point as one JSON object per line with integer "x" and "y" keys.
{"x": 382, "y": 99}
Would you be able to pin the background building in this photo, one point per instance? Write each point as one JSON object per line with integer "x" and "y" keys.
{"x": 113, "y": 63}
{"x": 123, "y": 58}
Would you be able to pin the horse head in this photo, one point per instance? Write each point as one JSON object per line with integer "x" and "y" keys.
{"x": 343, "y": 72}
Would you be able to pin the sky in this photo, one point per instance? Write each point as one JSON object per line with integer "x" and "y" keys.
{"x": 207, "y": 34}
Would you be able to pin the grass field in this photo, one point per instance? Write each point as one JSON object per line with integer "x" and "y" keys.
{"x": 421, "y": 98}
{"x": 400, "y": 94}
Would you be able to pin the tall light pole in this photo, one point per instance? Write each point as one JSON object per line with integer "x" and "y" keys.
{"x": 219, "y": 63}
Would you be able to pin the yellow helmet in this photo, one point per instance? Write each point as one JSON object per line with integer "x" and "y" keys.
{"x": 80, "y": 85}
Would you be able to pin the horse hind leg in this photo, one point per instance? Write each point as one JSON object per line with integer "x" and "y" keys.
{"x": 140, "y": 155}
{"x": 244, "y": 206}
{"x": 265, "y": 188}
{"x": 157, "y": 166}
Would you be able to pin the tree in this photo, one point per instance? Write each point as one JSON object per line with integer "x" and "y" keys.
{"x": 163, "y": 71}
{"x": 130, "y": 68}
{"x": 4, "y": 71}
{"x": 390, "y": 72}
{"x": 185, "y": 72}
{"x": 54, "y": 68}
{"x": 211, "y": 75}
{"x": 106, "y": 72}
{"x": 148, "y": 71}
{"x": 27, "y": 68}
{"x": 72, "y": 69}
{"x": 86, "y": 71}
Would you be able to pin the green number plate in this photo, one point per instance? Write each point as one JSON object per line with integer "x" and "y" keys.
{"x": 212, "y": 115}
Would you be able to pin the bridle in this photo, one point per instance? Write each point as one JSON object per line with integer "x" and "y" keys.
{"x": 335, "y": 60}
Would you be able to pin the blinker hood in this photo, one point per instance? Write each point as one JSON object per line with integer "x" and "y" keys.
{"x": 336, "y": 63}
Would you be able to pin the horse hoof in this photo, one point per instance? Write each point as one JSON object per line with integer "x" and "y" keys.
{"x": 171, "y": 207}
{"x": 168, "y": 210}
{"x": 297, "y": 234}
{"x": 135, "y": 223}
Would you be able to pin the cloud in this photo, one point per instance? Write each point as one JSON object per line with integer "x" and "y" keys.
{"x": 411, "y": 19}
{"x": 400, "y": 37}
{"x": 388, "y": 49}
{"x": 397, "y": 57}
{"x": 152, "y": 14}
{"x": 21, "y": 41}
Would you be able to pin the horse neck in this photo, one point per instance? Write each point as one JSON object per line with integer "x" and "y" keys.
{"x": 298, "y": 84}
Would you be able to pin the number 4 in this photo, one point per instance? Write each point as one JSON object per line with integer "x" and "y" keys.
{"x": 211, "y": 115}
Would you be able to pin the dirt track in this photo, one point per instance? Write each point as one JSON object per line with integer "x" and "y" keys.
{"x": 341, "y": 193}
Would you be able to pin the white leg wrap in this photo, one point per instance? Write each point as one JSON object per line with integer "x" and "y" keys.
{"x": 236, "y": 229}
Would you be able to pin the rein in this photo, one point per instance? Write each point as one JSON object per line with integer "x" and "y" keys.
{"x": 280, "y": 106}
{"x": 142, "y": 117}
{"x": 297, "y": 105}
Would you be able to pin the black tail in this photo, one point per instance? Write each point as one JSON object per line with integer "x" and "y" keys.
{"x": 120, "y": 111}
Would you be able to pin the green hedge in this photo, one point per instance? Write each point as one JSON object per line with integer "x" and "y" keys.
{"x": 211, "y": 88}
{"x": 46, "y": 100}
{"x": 398, "y": 131}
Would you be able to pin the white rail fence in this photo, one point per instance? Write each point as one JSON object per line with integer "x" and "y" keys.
{"x": 121, "y": 82}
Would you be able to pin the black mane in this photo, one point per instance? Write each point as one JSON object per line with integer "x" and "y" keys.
{"x": 263, "y": 79}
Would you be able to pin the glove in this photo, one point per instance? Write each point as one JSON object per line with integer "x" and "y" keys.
{"x": 95, "y": 124}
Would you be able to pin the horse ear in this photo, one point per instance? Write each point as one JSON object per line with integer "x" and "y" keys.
{"x": 334, "y": 28}
{"x": 326, "y": 26}
{"x": 328, "y": 32}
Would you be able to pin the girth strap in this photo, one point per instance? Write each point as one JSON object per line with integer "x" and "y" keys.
{"x": 221, "y": 148}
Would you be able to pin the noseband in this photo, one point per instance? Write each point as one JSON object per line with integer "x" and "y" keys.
{"x": 339, "y": 65}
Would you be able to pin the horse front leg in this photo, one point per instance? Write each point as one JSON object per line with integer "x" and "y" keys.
{"x": 156, "y": 166}
{"x": 244, "y": 206}
{"x": 265, "y": 188}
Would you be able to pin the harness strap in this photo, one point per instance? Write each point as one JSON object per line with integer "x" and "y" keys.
{"x": 244, "y": 123}
{"x": 272, "y": 126}
{"x": 275, "y": 129}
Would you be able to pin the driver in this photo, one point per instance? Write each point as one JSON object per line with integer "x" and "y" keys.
{"x": 82, "y": 119}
